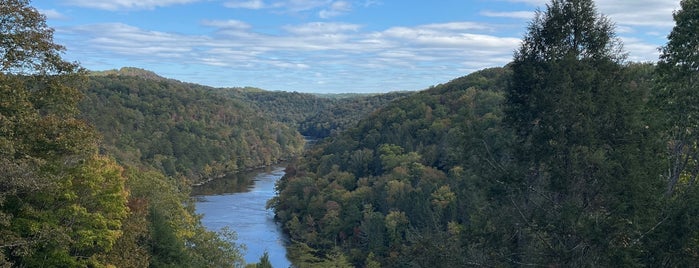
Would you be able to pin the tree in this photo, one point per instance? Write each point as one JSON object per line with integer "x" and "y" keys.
{"x": 27, "y": 42}
{"x": 675, "y": 241}
{"x": 582, "y": 140}
{"x": 678, "y": 93}
{"x": 264, "y": 262}
{"x": 61, "y": 204}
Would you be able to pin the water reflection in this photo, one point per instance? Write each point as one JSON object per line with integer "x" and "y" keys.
{"x": 239, "y": 203}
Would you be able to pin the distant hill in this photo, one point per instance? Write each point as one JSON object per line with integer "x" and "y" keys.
{"x": 200, "y": 131}
{"x": 316, "y": 115}
{"x": 131, "y": 71}
{"x": 181, "y": 128}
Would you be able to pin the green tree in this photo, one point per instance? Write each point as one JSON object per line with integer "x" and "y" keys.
{"x": 168, "y": 250}
{"x": 264, "y": 261}
{"x": 61, "y": 204}
{"x": 678, "y": 93}
{"x": 174, "y": 235}
{"x": 675, "y": 241}
{"x": 581, "y": 172}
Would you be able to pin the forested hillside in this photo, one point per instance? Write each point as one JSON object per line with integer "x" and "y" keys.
{"x": 315, "y": 116}
{"x": 393, "y": 190}
{"x": 180, "y": 128}
{"x": 202, "y": 132}
{"x": 63, "y": 201}
{"x": 567, "y": 157}
{"x": 345, "y": 113}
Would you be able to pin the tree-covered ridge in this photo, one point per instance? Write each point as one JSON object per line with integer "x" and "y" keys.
{"x": 315, "y": 116}
{"x": 345, "y": 112}
{"x": 567, "y": 157}
{"x": 62, "y": 202}
{"x": 290, "y": 108}
{"x": 384, "y": 191}
{"x": 132, "y": 71}
{"x": 181, "y": 128}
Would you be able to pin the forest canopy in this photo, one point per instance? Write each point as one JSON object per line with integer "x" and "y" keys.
{"x": 182, "y": 129}
{"x": 560, "y": 158}
{"x": 63, "y": 201}
{"x": 569, "y": 156}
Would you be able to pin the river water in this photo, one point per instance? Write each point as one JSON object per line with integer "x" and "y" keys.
{"x": 239, "y": 202}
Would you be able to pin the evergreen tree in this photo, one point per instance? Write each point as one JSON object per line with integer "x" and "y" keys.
{"x": 578, "y": 122}
{"x": 674, "y": 242}
{"x": 264, "y": 261}
{"x": 678, "y": 93}
{"x": 168, "y": 250}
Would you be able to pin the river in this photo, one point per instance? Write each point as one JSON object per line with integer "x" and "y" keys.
{"x": 239, "y": 202}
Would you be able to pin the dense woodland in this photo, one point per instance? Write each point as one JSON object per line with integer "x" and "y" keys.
{"x": 316, "y": 116}
{"x": 64, "y": 202}
{"x": 201, "y": 132}
{"x": 182, "y": 129}
{"x": 97, "y": 166}
{"x": 569, "y": 156}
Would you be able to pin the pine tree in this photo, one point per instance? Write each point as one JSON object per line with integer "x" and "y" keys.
{"x": 578, "y": 123}
{"x": 678, "y": 93}
{"x": 674, "y": 242}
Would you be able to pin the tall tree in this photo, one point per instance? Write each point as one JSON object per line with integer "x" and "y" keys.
{"x": 61, "y": 204}
{"x": 678, "y": 93}
{"x": 675, "y": 241}
{"x": 578, "y": 124}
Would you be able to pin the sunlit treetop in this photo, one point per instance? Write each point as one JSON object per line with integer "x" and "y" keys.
{"x": 26, "y": 42}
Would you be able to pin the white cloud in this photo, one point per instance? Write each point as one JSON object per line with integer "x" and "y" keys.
{"x": 457, "y": 26}
{"x": 127, "y": 4}
{"x": 122, "y": 39}
{"x": 251, "y": 4}
{"x": 227, "y": 24}
{"x": 294, "y": 6}
{"x": 336, "y": 8}
{"x": 656, "y": 13}
{"x": 325, "y": 8}
{"x": 321, "y": 28}
{"x": 52, "y": 14}
{"x": 369, "y": 3}
{"x": 642, "y": 51}
{"x": 433, "y": 35}
{"x": 317, "y": 46}
{"x": 527, "y": 15}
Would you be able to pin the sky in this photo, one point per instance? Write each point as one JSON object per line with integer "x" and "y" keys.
{"x": 321, "y": 46}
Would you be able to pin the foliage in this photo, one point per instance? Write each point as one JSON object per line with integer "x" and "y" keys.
{"x": 568, "y": 156}
{"x": 678, "y": 76}
{"x": 61, "y": 204}
{"x": 555, "y": 160}
{"x": 171, "y": 234}
{"x": 344, "y": 113}
{"x": 582, "y": 144}
{"x": 675, "y": 239}
{"x": 316, "y": 116}
{"x": 386, "y": 191}
{"x": 182, "y": 129}
{"x": 264, "y": 262}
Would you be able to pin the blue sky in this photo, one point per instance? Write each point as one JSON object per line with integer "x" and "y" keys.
{"x": 328, "y": 46}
